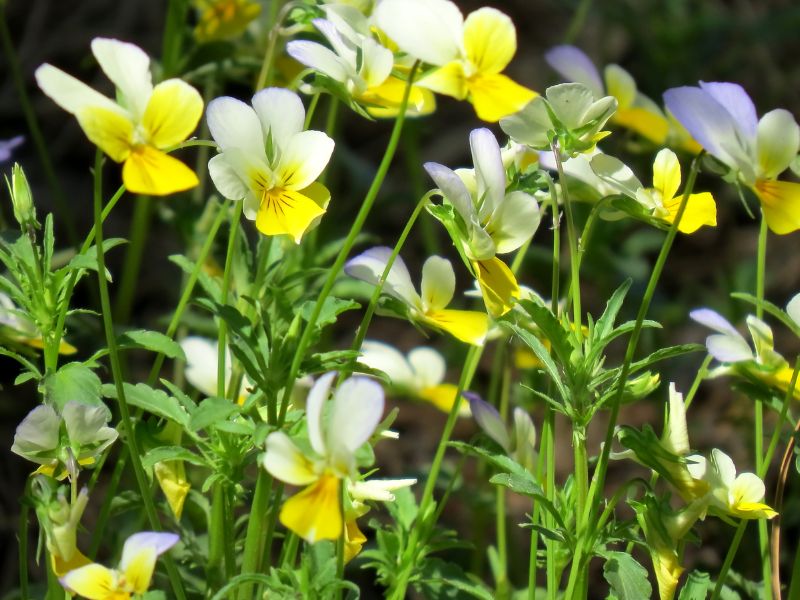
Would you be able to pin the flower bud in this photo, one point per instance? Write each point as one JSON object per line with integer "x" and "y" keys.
{"x": 21, "y": 198}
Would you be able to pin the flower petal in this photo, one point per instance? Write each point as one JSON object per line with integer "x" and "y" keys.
{"x": 139, "y": 557}
{"x": 620, "y": 84}
{"x": 453, "y": 189}
{"x": 780, "y": 201}
{"x": 234, "y": 124}
{"x": 315, "y": 513}
{"x": 438, "y": 283}
{"x": 469, "y": 326}
{"x": 490, "y": 175}
{"x": 109, "y": 130}
{"x": 514, "y": 221}
{"x": 676, "y": 436}
{"x": 666, "y": 173}
{"x": 369, "y": 266}
{"x": 489, "y": 419}
{"x": 428, "y": 366}
{"x": 201, "y": 363}
{"x": 281, "y": 113}
{"x": 39, "y": 431}
{"x": 344, "y": 49}
{"x": 616, "y": 173}
{"x": 738, "y": 104}
{"x": 226, "y": 178}
{"x": 283, "y": 460}
{"x": 171, "y": 476}
{"x": 778, "y": 141}
{"x": 649, "y": 124}
{"x": 429, "y": 30}
{"x": 128, "y": 66}
{"x": 71, "y": 94}
{"x": 490, "y": 40}
{"x": 700, "y": 210}
{"x": 357, "y": 409}
{"x": 443, "y": 396}
{"x": 574, "y": 65}
{"x": 793, "y": 309}
{"x": 286, "y": 211}
{"x": 448, "y": 80}
{"x": 150, "y": 171}
{"x": 386, "y": 358}
{"x": 497, "y": 96}
{"x": 378, "y": 62}
{"x": 172, "y": 113}
{"x": 498, "y": 285}
{"x": 304, "y": 157}
{"x": 84, "y": 422}
{"x": 93, "y": 581}
{"x": 318, "y": 57}
{"x": 530, "y": 125}
{"x": 723, "y": 467}
{"x": 315, "y": 401}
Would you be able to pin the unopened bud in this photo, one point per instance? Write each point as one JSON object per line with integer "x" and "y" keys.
{"x": 21, "y": 198}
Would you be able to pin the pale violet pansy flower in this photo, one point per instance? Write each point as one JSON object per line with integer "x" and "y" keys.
{"x": 491, "y": 220}
{"x": 722, "y": 118}
{"x": 267, "y": 160}
{"x": 7, "y": 147}
{"x": 438, "y": 287}
{"x": 420, "y": 373}
{"x": 131, "y": 578}
{"x": 201, "y": 366}
{"x": 315, "y": 513}
{"x": 518, "y": 441}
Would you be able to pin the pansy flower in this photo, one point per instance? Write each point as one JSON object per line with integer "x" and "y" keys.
{"x": 141, "y": 125}
{"x": 488, "y": 220}
{"x": 438, "y": 287}
{"x": 361, "y": 65}
{"x": 224, "y": 19}
{"x": 723, "y": 119}
{"x": 269, "y": 162}
{"x": 518, "y": 441}
{"x": 470, "y": 54}
{"x": 419, "y": 374}
{"x": 335, "y": 434}
{"x": 131, "y": 578}
{"x": 662, "y": 201}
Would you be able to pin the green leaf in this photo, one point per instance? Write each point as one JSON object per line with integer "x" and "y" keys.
{"x": 210, "y": 411}
{"x": 526, "y": 486}
{"x": 772, "y": 309}
{"x": 88, "y": 260}
{"x": 154, "y": 341}
{"x": 628, "y": 579}
{"x": 605, "y": 324}
{"x": 541, "y": 353}
{"x": 154, "y": 401}
{"x": 696, "y": 586}
{"x": 440, "y": 579}
{"x": 73, "y": 381}
{"x": 209, "y": 284}
{"x": 162, "y": 453}
{"x": 552, "y": 329}
{"x": 331, "y": 309}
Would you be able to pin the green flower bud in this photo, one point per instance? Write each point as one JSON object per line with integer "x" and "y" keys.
{"x": 21, "y": 198}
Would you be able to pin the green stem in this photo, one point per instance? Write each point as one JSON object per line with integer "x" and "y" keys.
{"x": 424, "y": 521}
{"x": 726, "y": 565}
{"x": 794, "y": 586}
{"x": 578, "y": 19}
{"x": 276, "y": 21}
{"x": 550, "y": 493}
{"x": 598, "y": 480}
{"x": 355, "y": 229}
{"x": 23, "y": 542}
{"x": 216, "y": 539}
{"x": 140, "y": 225}
{"x": 572, "y": 238}
{"x": 254, "y": 539}
{"x": 776, "y": 434}
{"x": 698, "y": 378}
{"x": 174, "y": 25}
{"x": 63, "y": 211}
{"x": 116, "y": 369}
{"x": 226, "y": 284}
{"x": 105, "y": 509}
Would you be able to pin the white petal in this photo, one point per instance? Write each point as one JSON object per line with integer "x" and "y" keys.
{"x": 677, "y": 437}
{"x": 573, "y": 64}
{"x": 344, "y": 48}
{"x": 430, "y": 30}
{"x": 428, "y": 365}
{"x": 319, "y": 58}
{"x": 281, "y": 113}
{"x": 201, "y": 363}
{"x": 157, "y": 542}
{"x": 438, "y": 283}
{"x": 514, "y": 222}
{"x": 738, "y": 104}
{"x": 728, "y": 348}
{"x": 38, "y": 431}
{"x": 778, "y": 141}
{"x": 304, "y": 158}
{"x": 748, "y": 487}
{"x": 84, "y": 421}
{"x": 377, "y": 62}
{"x": 71, "y": 94}
{"x": 357, "y": 410}
{"x": 234, "y": 124}
{"x": 453, "y": 188}
{"x": 616, "y": 174}
{"x": 226, "y": 179}
{"x": 530, "y": 125}
{"x": 697, "y": 466}
{"x": 128, "y": 66}
{"x": 379, "y": 490}
{"x": 793, "y": 309}
{"x": 724, "y": 467}
{"x": 386, "y": 358}
{"x": 490, "y": 175}
{"x": 369, "y": 266}
{"x": 283, "y": 460}
{"x": 315, "y": 402}
{"x": 713, "y": 320}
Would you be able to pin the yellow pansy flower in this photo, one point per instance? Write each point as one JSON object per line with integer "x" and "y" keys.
{"x": 470, "y": 53}
{"x": 438, "y": 287}
{"x": 269, "y": 162}
{"x": 420, "y": 374}
{"x": 722, "y": 118}
{"x": 315, "y": 513}
{"x": 135, "y": 130}
{"x": 661, "y": 201}
{"x": 224, "y": 19}
{"x": 139, "y": 554}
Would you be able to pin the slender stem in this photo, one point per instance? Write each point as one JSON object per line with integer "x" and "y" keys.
{"x": 254, "y": 540}
{"x": 726, "y": 565}
{"x": 23, "y": 542}
{"x": 140, "y": 225}
{"x": 216, "y": 539}
{"x": 116, "y": 369}
{"x": 226, "y": 284}
{"x": 502, "y": 583}
{"x": 105, "y": 509}
{"x": 276, "y": 21}
{"x": 598, "y": 479}
{"x": 173, "y": 36}
{"x": 578, "y": 19}
{"x": 783, "y": 474}
{"x": 355, "y": 229}
{"x": 701, "y": 373}
{"x": 64, "y": 212}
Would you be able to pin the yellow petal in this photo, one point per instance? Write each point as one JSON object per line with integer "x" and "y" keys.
{"x": 700, "y": 210}
{"x": 286, "y": 212}
{"x": 753, "y": 510}
{"x": 388, "y": 96}
{"x": 171, "y": 475}
{"x": 490, "y": 40}
{"x": 666, "y": 173}
{"x": 781, "y": 379}
{"x": 780, "y": 201}
{"x": 172, "y": 113}
{"x": 466, "y": 325}
{"x": 668, "y": 570}
{"x": 94, "y": 582}
{"x": 62, "y": 567}
{"x": 108, "y": 130}
{"x": 649, "y": 125}
{"x": 497, "y": 96}
{"x": 354, "y": 540}
{"x": 154, "y": 173}
{"x": 448, "y": 80}
{"x": 443, "y": 396}
{"x": 498, "y": 285}
{"x": 139, "y": 571}
{"x": 315, "y": 513}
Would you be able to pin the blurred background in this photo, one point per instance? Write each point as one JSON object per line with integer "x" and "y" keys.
{"x": 661, "y": 43}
